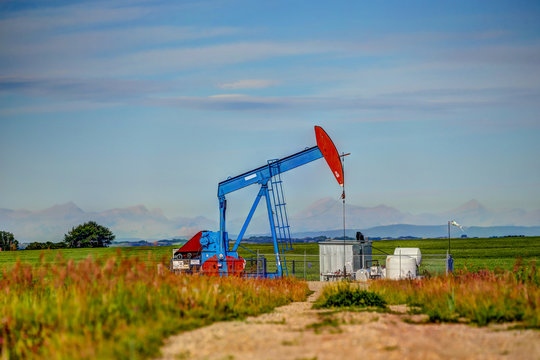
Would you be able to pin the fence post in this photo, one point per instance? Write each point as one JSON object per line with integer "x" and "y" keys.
{"x": 446, "y": 264}
{"x": 257, "y": 263}
{"x": 293, "y": 269}
{"x": 305, "y": 264}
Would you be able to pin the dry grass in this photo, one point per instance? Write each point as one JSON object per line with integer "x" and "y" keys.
{"x": 478, "y": 297}
{"x": 115, "y": 308}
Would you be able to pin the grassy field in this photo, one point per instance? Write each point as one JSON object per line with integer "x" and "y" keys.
{"x": 152, "y": 254}
{"x": 479, "y": 298}
{"x": 473, "y": 253}
{"x": 118, "y": 308}
{"x": 114, "y": 303}
{"x": 468, "y": 253}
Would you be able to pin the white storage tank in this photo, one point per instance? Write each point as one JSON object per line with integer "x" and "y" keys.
{"x": 412, "y": 252}
{"x": 400, "y": 267}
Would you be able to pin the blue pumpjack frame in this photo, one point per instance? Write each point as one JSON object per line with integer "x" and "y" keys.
{"x": 262, "y": 176}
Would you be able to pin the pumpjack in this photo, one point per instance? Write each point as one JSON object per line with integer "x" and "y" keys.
{"x": 210, "y": 252}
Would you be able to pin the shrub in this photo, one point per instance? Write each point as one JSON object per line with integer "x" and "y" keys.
{"x": 344, "y": 295}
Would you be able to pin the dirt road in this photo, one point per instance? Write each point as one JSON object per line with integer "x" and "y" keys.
{"x": 296, "y": 331}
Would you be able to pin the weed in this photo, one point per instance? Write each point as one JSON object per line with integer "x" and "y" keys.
{"x": 290, "y": 342}
{"x": 283, "y": 321}
{"x": 330, "y": 324}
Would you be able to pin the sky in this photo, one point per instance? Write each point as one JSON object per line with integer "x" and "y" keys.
{"x": 111, "y": 104}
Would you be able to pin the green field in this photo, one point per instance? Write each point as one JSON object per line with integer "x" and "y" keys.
{"x": 474, "y": 253}
{"x": 468, "y": 253}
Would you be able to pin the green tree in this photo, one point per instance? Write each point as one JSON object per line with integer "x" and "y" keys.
{"x": 8, "y": 241}
{"x": 89, "y": 234}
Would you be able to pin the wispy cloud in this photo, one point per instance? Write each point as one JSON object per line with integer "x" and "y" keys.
{"x": 427, "y": 100}
{"x": 249, "y": 84}
{"x": 150, "y": 93}
{"x": 99, "y": 90}
{"x": 82, "y": 44}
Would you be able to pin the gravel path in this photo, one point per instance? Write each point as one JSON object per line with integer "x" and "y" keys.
{"x": 296, "y": 331}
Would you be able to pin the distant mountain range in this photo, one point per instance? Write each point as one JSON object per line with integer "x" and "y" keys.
{"x": 131, "y": 223}
{"x": 326, "y": 214}
{"x": 427, "y": 231}
{"x": 323, "y": 217}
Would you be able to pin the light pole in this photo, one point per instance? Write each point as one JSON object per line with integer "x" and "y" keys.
{"x": 449, "y": 236}
{"x": 454, "y": 223}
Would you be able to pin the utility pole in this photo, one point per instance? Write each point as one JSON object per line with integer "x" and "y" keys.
{"x": 343, "y": 198}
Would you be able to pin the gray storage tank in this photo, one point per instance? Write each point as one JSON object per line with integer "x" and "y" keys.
{"x": 333, "y": 253}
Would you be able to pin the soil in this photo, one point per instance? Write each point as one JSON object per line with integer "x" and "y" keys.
{"x": 296, "y": 331}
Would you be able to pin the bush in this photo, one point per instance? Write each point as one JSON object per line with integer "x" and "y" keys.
{"x": 343, "y": 295}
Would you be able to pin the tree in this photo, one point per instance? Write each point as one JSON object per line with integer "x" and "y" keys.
{"x": 89, "y": 234}
{"x": 8, "y": 241}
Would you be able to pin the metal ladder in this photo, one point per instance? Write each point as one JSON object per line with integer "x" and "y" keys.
{"x": 281, "y": 221}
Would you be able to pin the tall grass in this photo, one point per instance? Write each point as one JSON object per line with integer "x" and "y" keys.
{"x": 479, "y": 297}
{"x": 118, "y": 308}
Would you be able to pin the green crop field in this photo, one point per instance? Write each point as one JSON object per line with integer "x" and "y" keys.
{"x": 468, "y": 253}
{"x": 473, "y": 253}
{"x": 150, "y": 253}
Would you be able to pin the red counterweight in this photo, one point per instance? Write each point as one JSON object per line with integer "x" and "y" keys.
{"x": 330, "y": 153}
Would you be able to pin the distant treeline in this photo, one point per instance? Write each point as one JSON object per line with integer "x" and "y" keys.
{"x": 164, "y": 242}
{"x": 268, "y": 239}
{"x": 46, "y": 245}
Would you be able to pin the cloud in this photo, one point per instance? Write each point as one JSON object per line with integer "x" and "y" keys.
{"x": 503, "y": 54}
{"x": 425, "y": 100}
{"x": 97, "y": 43}
{"x": 110, "y": 92}
{"x": 101, "y": 90}
{"x": 249, "y": 84}
{"x": 72, "y": 16}
{"x": 175, "y": 59}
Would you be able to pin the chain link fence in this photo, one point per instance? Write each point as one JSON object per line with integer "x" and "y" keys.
{"x": 321, "y": 268}
{"x": 308, "y": 267}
